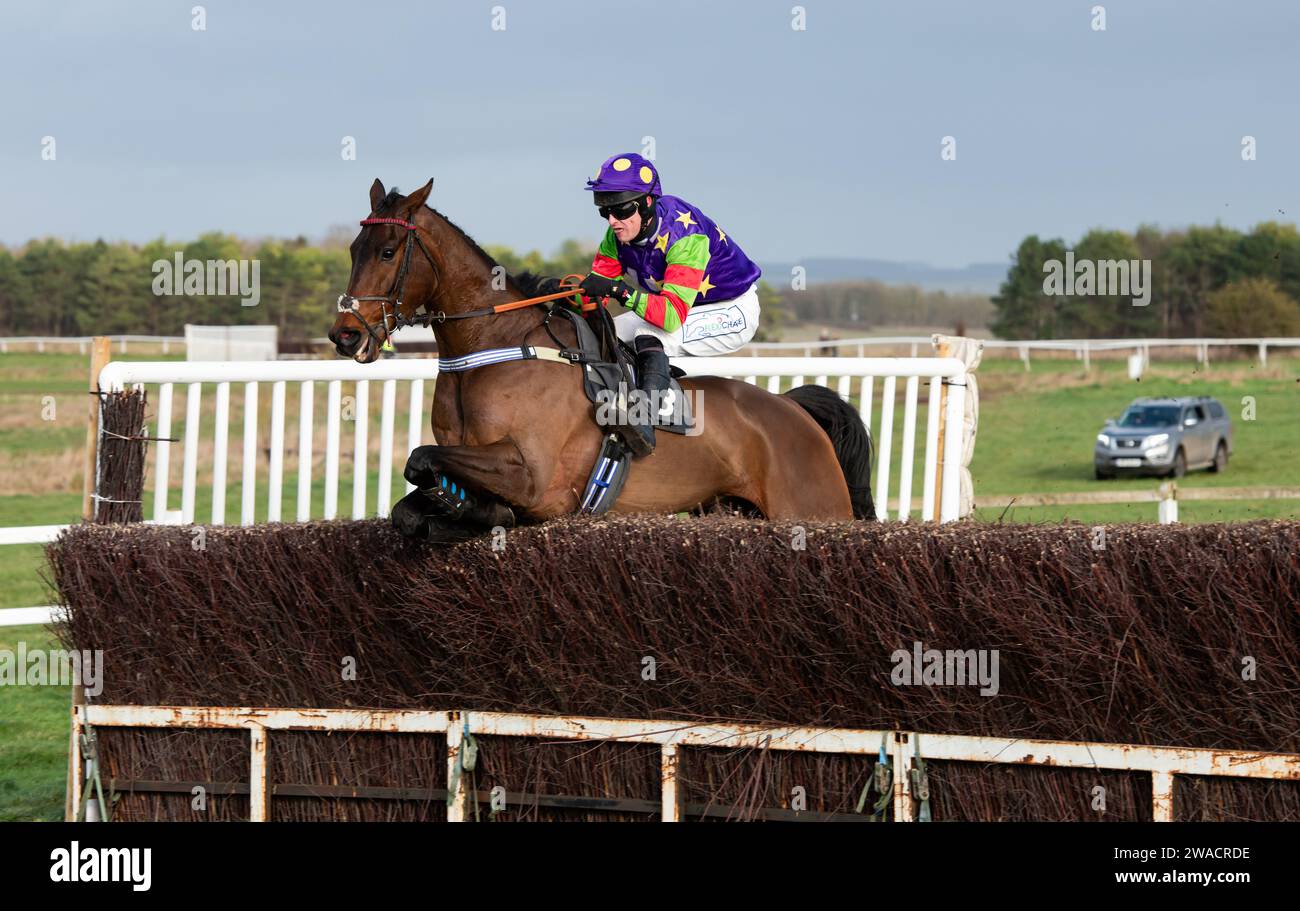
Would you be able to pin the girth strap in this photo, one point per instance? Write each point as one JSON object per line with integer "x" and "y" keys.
{"x": 513, "y": 353}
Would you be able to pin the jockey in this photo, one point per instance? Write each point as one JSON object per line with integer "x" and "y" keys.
{"x": 688, "y": 287}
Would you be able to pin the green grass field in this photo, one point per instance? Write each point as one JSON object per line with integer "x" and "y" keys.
{"x": 1035, "y": 436}
{"x": 33, "y": 738}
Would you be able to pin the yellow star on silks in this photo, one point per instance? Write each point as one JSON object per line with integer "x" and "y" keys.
{"x": 722, "y": 237}
{"x": 685, "y": 219}
{"x": 704, "y": 286}
{"x": 661, "y": 242}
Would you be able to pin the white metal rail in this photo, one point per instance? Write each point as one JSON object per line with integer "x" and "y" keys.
{"x": 903, "y": 748}
{"x": 863, "y": 372}
{"x": 851, "y": 375}
{"x": 83, "y": 341}
{"x": 1082, "y": 347}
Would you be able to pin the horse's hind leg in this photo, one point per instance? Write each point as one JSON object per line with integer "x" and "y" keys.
{"x": 797, "y": 476}
{"x": 806, "y": 499}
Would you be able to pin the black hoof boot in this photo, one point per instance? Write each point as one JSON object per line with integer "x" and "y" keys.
{"x": 415, "y": 517}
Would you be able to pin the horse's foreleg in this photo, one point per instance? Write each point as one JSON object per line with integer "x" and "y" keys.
{"x": 497, "y": 468}
{"x": 496, "y": 472}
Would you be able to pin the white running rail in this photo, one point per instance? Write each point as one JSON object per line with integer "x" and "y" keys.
{"x": 851, "y": 375}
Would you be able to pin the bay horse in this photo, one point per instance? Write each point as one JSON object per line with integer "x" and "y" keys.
{"x": 522, "y": 436}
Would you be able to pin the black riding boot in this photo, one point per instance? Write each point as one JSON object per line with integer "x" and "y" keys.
{"x": 653, "y": 379}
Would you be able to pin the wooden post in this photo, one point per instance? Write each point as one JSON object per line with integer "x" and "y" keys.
{"x": 942, "y": 349}
{"x": 99, "y": 356}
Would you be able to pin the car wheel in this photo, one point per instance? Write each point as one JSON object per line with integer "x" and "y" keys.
{"x": 1180, "y": 464}
{"x": 1220, "y": 458}
{"x": 1101, "y": 475}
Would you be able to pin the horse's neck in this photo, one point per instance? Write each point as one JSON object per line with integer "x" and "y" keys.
{"x": 465, "y": 282}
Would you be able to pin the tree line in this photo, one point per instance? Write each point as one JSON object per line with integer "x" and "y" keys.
{"x": 1204, "y": 282}
{"x": 52, "y": 288}
{"x": 862, "y": 306}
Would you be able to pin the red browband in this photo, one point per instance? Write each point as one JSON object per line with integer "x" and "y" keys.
{"x": 388, "y": 221}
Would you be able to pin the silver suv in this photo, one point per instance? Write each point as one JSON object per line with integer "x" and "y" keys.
{"x": 1165, "y": 437}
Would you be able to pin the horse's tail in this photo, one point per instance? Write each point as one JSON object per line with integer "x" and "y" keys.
{"x": 851, "y": 439}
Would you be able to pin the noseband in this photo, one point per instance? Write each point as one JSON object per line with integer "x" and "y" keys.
{"x": 347, "y": 303}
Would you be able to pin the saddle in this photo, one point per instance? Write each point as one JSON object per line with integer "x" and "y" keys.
{"x": 608, "y": 363}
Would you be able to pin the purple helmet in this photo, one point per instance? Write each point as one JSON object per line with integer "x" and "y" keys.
{"x": 623, "y": 177}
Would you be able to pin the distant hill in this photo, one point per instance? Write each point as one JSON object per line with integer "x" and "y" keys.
{"x": 977, "y": 278}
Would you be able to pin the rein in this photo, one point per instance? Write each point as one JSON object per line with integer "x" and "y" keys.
{"x": 347, "y": 303}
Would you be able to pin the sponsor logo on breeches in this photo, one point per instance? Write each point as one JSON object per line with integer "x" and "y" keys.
{"x": 713, "y": 323}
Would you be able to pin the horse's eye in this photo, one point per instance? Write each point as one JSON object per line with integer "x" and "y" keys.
{"x": 388, "y": 253}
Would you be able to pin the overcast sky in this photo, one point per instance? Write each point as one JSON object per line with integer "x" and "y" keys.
{"x": 821, "y": 142}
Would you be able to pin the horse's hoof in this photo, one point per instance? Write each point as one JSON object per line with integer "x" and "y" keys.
{"x": 409, "y": 518}
{"x": 421, "y": 467}
{"x": 491, "y": 514}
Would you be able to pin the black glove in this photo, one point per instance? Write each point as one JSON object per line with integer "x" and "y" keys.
{"x": 598, "y": 286}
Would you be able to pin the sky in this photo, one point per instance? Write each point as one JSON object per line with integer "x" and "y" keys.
{"x": 823, "y": 141}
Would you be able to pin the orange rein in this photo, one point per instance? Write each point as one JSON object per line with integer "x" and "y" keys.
{"x": 587, "y": 303}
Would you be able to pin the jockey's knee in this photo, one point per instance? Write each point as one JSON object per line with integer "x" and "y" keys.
{"x": 648, "y": 342}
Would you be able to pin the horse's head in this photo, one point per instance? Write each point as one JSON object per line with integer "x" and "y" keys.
{"x": 393, "y": 273}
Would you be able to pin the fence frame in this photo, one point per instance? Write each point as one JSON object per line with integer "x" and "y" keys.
{"x": 903, "y": 747}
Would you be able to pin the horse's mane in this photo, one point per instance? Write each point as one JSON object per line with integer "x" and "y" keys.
{"x": 528, "y": 283}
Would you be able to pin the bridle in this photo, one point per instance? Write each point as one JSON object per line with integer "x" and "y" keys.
{"x": 347, "y": 303}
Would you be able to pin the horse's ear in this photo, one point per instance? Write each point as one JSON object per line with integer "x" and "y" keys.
{"x": 377, "y": 193}
{"x": 413, "y": 202}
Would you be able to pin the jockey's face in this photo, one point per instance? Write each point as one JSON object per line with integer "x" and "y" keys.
{"x": 627, "y": 228}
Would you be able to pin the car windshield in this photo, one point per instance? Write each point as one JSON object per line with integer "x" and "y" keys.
{"x": 1150, "y": 416}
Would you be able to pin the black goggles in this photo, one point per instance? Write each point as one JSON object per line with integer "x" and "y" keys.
{"x": 622, "y": 211}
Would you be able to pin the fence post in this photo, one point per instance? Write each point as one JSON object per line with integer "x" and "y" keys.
{"x": 670, "y": 796}
{"x": 1162, "y": 797}
{"x": 99, "y": 357}
{"x": 259, "y": 784}
{"x": 456, "y": 724}
{"x": 1263, "y": 354}
{"x": 72, "y": 797}
{"x": 901, "y": 751}
{"x": 1168, "y": 509}
{"x": 942, "y": 349}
